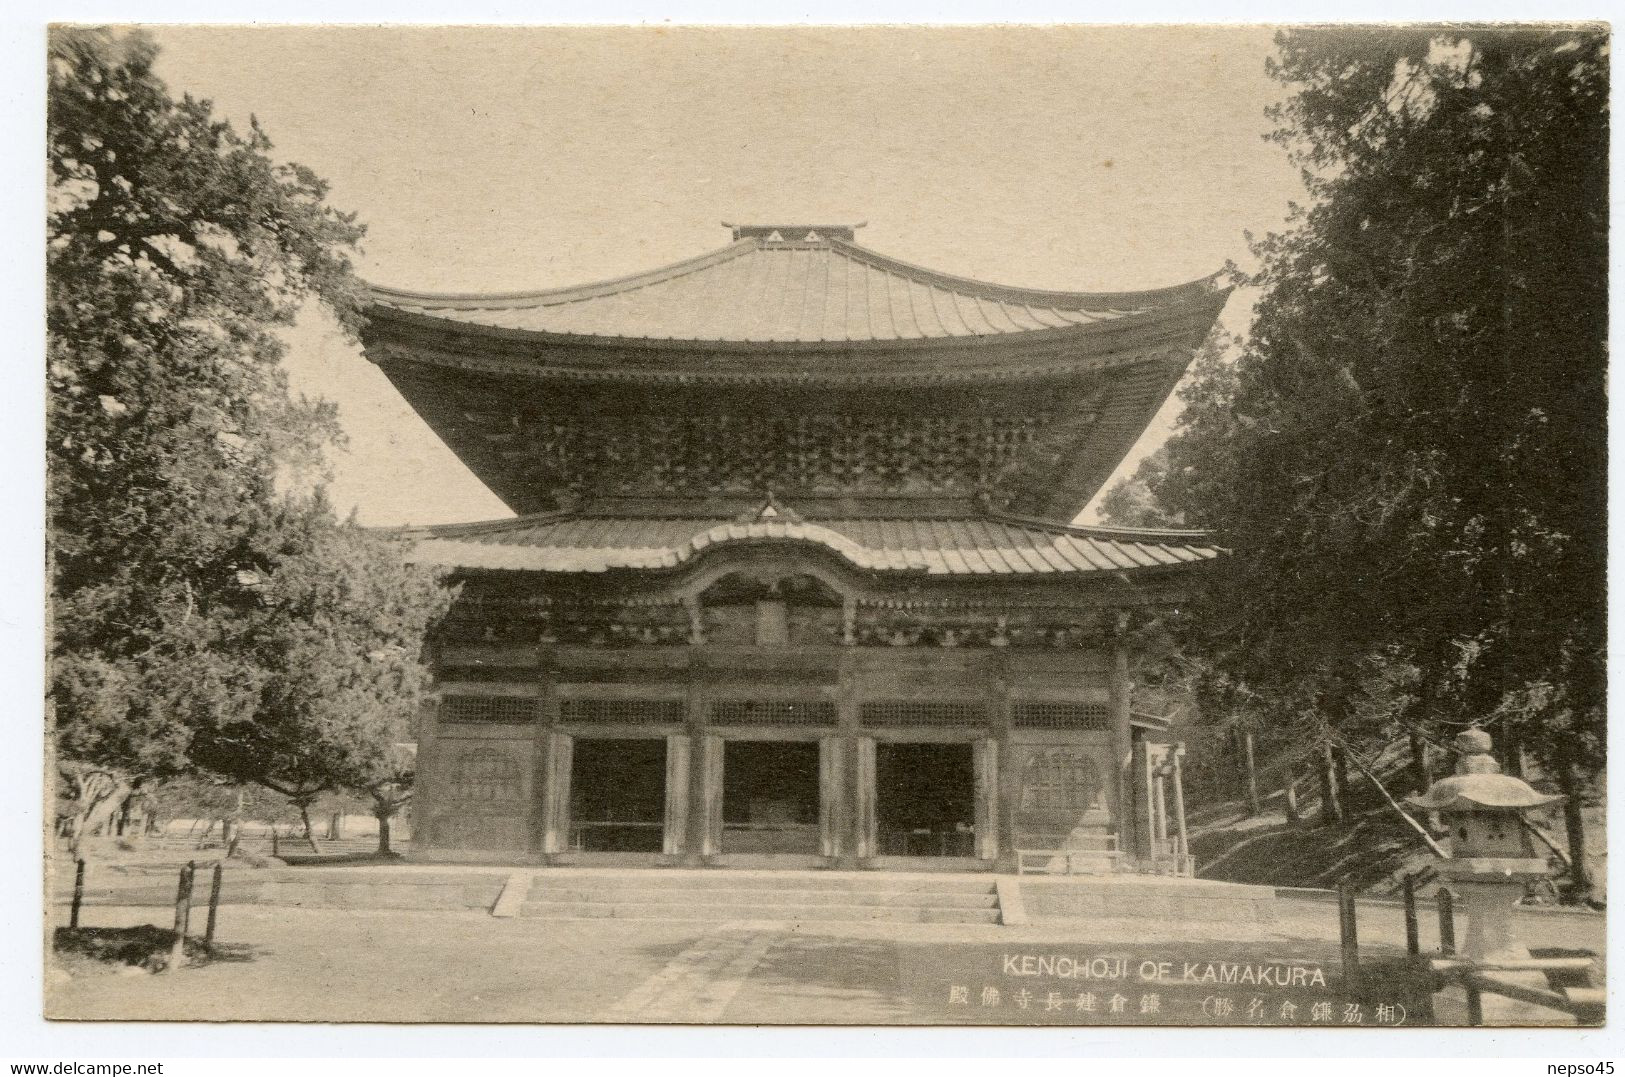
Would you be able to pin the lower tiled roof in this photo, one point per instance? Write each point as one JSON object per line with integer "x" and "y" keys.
{"x": 960, "y": 546}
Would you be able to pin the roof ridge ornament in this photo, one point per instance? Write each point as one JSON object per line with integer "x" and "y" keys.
{"x": 771, "y": 510}
{"x": 795, "y": 233}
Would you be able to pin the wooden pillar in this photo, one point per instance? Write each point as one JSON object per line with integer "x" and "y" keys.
{"x": 541, "y": 746}
{"x": 848, "y": 730}
{"x": 556, "y": 793}
{"x": 710, "y": 795}
{"x": 696, "y": 621}
{"x": 1179, "y": 801}
{"x": 1159, "y": 808}
{"x": 1122, "y": 734}
{"x": 985, "y": 761}
{"x": 696, "y": 726}
{"x": 1005, "y": 782}
{"x": 865, "y": 824}
{"x": 831, "y": 775}
{"x": 674, "y": 837}
{"x": 1143, "y": 794}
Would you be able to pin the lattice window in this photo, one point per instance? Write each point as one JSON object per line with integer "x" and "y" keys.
{"x": 489, "y": 709}
{"x": 1060, "y": 715}
{"x": 820, "y": 453}
{"x": 485, "y": 776}
{"x": 923, "y": 712}
{"x": 626, "y": 711}
{"x": 772, "y": 712}
{"x": 1062, "y": 779}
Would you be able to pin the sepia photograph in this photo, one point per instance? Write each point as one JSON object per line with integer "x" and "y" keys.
{"x": 1078, "y": 526}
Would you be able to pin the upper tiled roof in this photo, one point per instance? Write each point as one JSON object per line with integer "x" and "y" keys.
{"x": 790, "y": 286}
{"x": 963, "y": 546}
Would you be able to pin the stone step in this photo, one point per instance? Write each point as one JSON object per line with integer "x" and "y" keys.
{"x": 788, "y": 913}
{"x": 640, "y": 895}
{"x": 689, "y": 881}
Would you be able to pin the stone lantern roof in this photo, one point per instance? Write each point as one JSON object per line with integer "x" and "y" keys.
{"x": 1478, "y": 784}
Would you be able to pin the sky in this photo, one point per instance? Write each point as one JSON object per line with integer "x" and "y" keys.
{"x": 490, "y": 159}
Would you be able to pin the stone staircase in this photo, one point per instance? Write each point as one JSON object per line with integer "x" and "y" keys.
{"x": 780, "y": 896}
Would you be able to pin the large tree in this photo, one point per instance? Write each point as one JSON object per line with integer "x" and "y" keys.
{"x": 333, "y": 631}
{"x": 1407, "y": 457}
{"x": 179, "y": 250}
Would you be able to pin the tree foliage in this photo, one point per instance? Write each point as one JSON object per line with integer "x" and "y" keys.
{"x": 1407, "y": 455}
{"x": 1164, "y": 490}
{"x": 187, "y": 582}
{"x": 333, "y": 637}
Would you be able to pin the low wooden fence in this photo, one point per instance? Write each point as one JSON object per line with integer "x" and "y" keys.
{"x": 1579, "y": 999}
{"x": 185, "y": 893}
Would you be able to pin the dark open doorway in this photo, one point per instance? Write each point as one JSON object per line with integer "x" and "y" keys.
{"x": 618, "y": 796}
{"x": 770, "y": 797}
{"x": 925, "y": 799}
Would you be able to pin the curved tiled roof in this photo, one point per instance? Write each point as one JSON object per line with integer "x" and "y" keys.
{"x": 815, "y": 287}
{"x": 960, "y": 546}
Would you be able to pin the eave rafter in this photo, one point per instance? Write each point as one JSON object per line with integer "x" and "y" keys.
{"x": 514, "y": 383}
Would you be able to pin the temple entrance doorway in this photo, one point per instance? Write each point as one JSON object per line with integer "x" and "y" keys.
{"x": 925, "y": 799}
{"x": 617, "y": 795}
{"x": 770, "y": 797}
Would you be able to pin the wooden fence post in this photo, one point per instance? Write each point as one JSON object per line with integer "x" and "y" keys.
{"x": 1447, "y": 921}
{"x": 183, "y": 914}
{"x": 1349, "y": 930}
{"x": 214, "y": 904}
{"x": 1413, "y": 930}
{"x": 78, "y": 892}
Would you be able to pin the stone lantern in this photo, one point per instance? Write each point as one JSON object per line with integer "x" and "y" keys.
{"x": 1493, "y": 856}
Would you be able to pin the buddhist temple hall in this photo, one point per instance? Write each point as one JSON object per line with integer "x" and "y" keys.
{"x": 793, "y": 579}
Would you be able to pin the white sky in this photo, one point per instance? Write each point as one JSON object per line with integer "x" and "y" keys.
{"x": 511, "y": 158}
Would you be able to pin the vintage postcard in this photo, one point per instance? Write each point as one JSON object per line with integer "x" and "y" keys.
{"x": 1064, "y": 525}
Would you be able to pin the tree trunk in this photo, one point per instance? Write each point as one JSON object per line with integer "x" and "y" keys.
{"x": 90, "y": 793}
{"x": 236, "y": 835}
{"x": 384, "y": 812}
{"x": 1340, "y": 765}
{"x": 1254, "y": 805}
{"x": 1580, "y": 881}
{"x": 1421, "y": 831}
{"x": 1331, "y": 805}
{"x": 310, "y": 835}
{"x": 1421, "y": 769}
{"x": 1290, "y": 795}
{"x": 1511, "y": 748}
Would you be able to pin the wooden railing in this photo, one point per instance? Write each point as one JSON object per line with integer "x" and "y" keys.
{"x": 1582, "y": 1001}
{"x": 1067, "y": 861}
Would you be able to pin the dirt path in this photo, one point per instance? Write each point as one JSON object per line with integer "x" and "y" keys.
{"x": 368, "y": 965}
